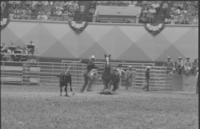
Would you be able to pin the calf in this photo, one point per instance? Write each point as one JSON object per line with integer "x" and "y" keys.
{"x": 65, "y": 79}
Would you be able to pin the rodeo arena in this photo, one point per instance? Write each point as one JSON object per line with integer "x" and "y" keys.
{"x": 99, "y": 64}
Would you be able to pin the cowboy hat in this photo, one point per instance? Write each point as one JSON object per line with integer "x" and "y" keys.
{"x": 92, "y": 57}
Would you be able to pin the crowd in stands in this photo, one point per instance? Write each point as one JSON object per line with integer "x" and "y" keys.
{"x": 14, "y": 52}
{"x": 182, "y": 66}
{"x": 42, "y": 10}
{"x": 179, "y": 12}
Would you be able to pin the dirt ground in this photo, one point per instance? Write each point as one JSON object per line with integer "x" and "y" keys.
{"x": 41, "y": 107}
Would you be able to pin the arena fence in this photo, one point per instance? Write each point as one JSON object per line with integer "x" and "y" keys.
{"x": 45, "y": 73}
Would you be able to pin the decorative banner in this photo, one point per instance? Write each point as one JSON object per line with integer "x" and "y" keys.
{"x": 4, "y": 14}
{"x": 80, "y": 20}
{"x": 78, "y": 27}
{"x": 158, "y": 23}
{"x": 154, "y": 29}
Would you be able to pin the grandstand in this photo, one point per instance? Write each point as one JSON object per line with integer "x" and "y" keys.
{"x": 149, "y": 48}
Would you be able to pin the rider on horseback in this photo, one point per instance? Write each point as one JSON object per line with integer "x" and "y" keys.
{"x": 90, "y": 65}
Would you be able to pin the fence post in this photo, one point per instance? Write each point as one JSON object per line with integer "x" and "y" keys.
{"x": 25, "y": 78}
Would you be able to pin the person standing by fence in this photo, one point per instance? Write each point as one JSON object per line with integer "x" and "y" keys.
{"x": 31, "y": 48}
{"x": 179, "y": 65}
{"x": 169, "y": 65}
{"x": 187, "y": 66}
{"x": 147, "y": 78}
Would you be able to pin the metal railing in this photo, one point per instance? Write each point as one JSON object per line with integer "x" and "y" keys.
{"x": 45, "y": 73}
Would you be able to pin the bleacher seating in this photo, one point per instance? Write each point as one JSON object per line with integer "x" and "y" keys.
{"x": 180, "y": 12}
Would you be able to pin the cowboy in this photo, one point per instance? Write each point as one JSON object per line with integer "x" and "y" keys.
{"x": 130, "y": 76}
{"x": 179, "y": 65}
{"x": 187, "y": 64}
{"x": 90, "y": 65}
{"x": 31, "y": 48}
{"x": 147, "y": 78}
{"x": 169, "y": 65}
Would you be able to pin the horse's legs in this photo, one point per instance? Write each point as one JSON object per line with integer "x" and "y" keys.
{"x": 110, "y": 83}
{"x": 85, "y": 83}
{"x": 66, "y": 94}
{"x": 115, "y": 87}
{"x": 89, "y": 85}
{"x": 71, "y": 88}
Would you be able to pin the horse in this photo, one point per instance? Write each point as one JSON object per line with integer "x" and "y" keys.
{"x": 110, "y": 76}
{"x": 90, "y": 78}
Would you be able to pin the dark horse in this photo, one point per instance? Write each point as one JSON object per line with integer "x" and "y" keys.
{"x": 110, "y": 76}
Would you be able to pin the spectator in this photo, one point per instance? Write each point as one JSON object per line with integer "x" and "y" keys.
{"x": 31, "y": 48}
{"x": 169, "y": 65}
{"x": 179, "y": 65}
{"x": 187, "y": 65}
{"x": 12, "y": 48}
